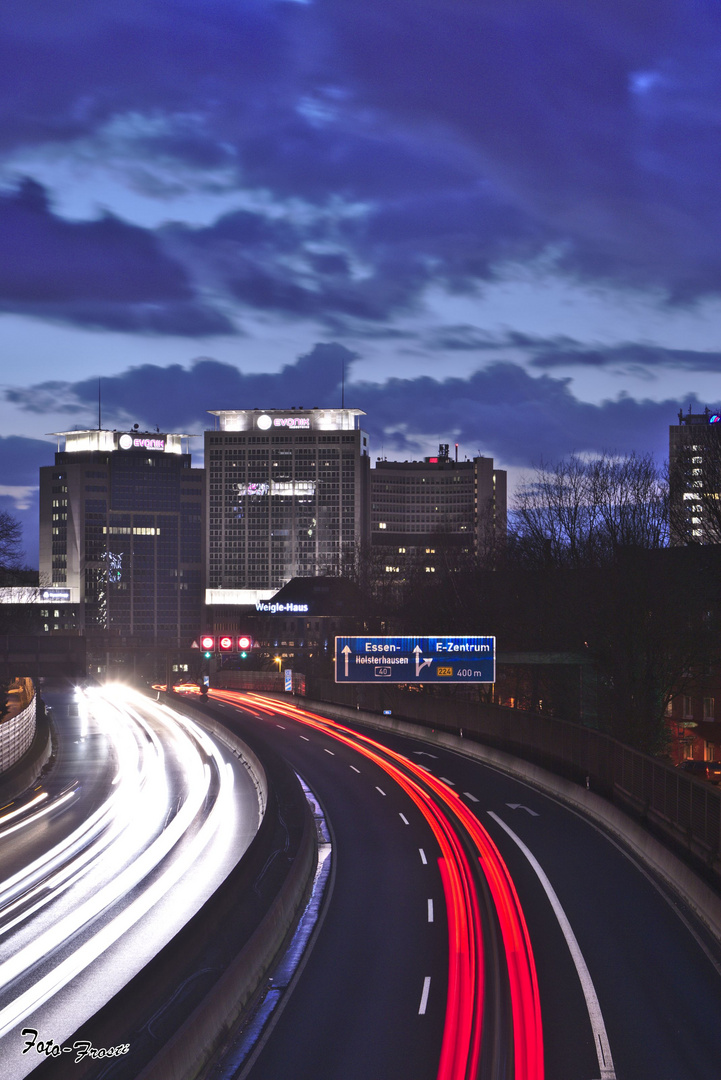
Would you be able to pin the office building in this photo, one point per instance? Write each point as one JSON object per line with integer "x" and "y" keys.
{"x": 287, "y": 497}
{"x": 121, "y": 529}
{"x": 436, "y": 509}
{"x": 695, "y": 478}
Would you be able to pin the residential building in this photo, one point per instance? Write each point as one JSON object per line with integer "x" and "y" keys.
{"x": 437, "y": 508}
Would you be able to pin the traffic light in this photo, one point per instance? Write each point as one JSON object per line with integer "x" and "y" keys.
{"x": 225, "y": 643}
{"x": 244, "y": 643}
{"x": 207, "y": 644}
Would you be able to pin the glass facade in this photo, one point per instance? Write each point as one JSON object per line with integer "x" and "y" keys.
{"x": 283, "y": 501}
{"x": 125, "y": 525}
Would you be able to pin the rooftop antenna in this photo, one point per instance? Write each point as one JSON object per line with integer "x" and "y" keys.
{"x": 342, "y": 384}
{"x": 99, "y": 413}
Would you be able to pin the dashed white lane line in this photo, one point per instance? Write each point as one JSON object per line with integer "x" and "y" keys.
{"x": 404, "y": 819}
{"x": 281, "y": 726}
{"x": 603, "y": 1049}
{"x": 355, "y": 770}
{"x": 424, "y": 995}
{"x": 329, "y": 751}
{"x": 469, "y": 796}
{"x": 424, "y": 860}
{"x": 380, "y": 789}
{"x": 305, "y": 738}
{"x": 447, "y": 781}
{"x": 430, "y": 911}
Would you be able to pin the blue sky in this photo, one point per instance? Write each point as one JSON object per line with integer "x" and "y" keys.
{"x": 501, "y": 217}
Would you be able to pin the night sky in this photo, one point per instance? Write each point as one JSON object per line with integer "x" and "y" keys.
{"x": 500, "y": 218}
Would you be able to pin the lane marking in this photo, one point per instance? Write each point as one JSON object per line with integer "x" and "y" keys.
{"x": 404, "y": 819}
{"x": 447, "y": 781}
{"x": 424, "y": 753}
{"x": 355, "y": 770}
{"x": 430, "y": 911}
{"x": 424, "y": 995}
{"x": 282, "y": 726}
{"x": 305, "y": 738}
{"x": 424, "y": 860}
{"x": 603, "y": 1049}
{"x": 469, "y": 796}
{"x": 329, "y": 751}
{"x": 380, "y": 789}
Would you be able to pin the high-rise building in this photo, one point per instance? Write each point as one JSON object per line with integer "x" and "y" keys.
{"x": 438, "y": 508}
{"x": 121, "y": 526}
{"x": 287, "y": 497}
{"x": 695, "y": 478}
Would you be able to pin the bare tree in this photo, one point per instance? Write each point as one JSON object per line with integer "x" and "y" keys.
{"x": 10, "y": 540}
{"x": 577, "y": 513}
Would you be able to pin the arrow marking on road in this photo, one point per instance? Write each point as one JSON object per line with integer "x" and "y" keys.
{"x": 518, "y": 806}
{"x": 424, "y": 753}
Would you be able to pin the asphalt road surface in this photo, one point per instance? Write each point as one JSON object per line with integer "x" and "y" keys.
{"x": 117, "y": 846}
{"x": 628, "y": 985}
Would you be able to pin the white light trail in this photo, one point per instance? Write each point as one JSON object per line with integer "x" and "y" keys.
{"x": 141, "y": 824}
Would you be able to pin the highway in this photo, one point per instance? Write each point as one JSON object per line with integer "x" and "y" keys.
{"x": 113, "y": 851}
{"x": 628, "y": 987}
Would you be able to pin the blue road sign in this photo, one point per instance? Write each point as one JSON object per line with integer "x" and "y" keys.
{"x": 438, "y": 659}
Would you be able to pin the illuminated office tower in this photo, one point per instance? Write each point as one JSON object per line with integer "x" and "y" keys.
{"x": 287, "y": 497}
{"x": 121, "y": 525}
{"x": 695, "y": 478}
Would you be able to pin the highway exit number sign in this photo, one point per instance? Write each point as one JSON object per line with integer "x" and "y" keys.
{"x": 438, "y": 659}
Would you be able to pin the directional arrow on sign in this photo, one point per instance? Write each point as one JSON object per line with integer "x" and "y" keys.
{"x": 518, "y": 806}
{"x": 419, "y": 665}
{"x": 346, "y": 654}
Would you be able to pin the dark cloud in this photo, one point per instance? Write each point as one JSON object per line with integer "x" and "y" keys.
{"x": 636, "y": 357}
{"x": 464, "y": 137}
{"x": 103, "y": 273}
{"x": 20, "y": 459}
{"x": 460, "y": 338}
{"x": 177, "y": 397}
{"x": 500, "y": 410}
{"x": 141, "y": 58}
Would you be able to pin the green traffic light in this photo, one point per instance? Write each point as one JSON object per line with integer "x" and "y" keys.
{"x": 207, "y": 655}
{"x": 244, "y": 656}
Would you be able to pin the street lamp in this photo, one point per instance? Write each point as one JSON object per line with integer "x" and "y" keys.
{"x": 279, "y": 661}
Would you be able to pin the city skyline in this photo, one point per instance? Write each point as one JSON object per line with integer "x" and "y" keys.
{"x": 496, "y": 227}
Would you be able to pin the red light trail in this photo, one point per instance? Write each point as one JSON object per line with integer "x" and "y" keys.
{"x": 461, "y": 1044}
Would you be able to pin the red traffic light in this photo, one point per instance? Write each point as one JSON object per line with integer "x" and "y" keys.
{"x": 207, "y": 643}
{"x": 244, "y": 642}
{"x": 225, "y": 643}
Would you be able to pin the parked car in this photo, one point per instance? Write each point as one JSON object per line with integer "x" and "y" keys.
{"x": 704, "y": 770}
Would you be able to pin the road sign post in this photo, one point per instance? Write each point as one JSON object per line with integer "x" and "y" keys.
{"x": 437, "y": 659}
